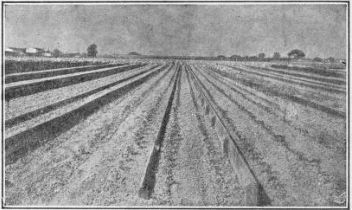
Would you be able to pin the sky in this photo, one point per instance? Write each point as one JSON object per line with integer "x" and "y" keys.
{"x": 169, "y": 29}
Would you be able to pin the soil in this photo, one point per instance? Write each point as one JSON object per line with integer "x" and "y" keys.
{"x": 104, "y": 152}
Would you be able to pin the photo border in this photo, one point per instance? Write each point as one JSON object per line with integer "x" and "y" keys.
{"x": 166, "y": 2}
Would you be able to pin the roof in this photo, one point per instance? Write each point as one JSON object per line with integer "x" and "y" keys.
{"x": 15, "y": 49}
{"x": 35, "y": 48}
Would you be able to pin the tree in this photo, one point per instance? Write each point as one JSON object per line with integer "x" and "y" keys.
{"x": 331, "y": 59}
{"x": 276, "y": 56}
{"x": 317, "y": 59}
{"x": 235, "y": 57}
{"x": 253, "y": 58}
{"x": 261, "y": 56}
{"x": 296, "y": 53}
{"x": 92, "y": 50}
{"x": 57, "y": 53}
{"x": 134, "y": 53}
{"x": 222, "y": 57}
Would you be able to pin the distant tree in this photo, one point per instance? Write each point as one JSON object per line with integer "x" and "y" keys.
{"x": 331, "y": 59}
{"x": 317, "y": 59}
{"x": 296, "y": 54}
{"x": 222, "y": 57}
{"x": 92, "y": 50}
{"x": 253, "y": 58}
{"x": 246, "y": 58}
{"x": 134, "y": 53}
{"x": 261, "y": 56}
{"x": 235, "y": 57}
{"x": 57, "y": 53}
{"x": 276, "y": 56}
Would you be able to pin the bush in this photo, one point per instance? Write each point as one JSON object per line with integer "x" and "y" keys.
{"x": 317, "y": 59}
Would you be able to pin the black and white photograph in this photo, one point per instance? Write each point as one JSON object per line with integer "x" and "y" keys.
{"x": 175, "y": 104}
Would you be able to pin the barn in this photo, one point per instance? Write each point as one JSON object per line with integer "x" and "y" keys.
{"x": 34, "y": 51}
{"x": 13, "y": 51}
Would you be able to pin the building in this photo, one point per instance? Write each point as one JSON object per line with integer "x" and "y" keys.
{"x": 34, "y": 51}
{"x": 47, "y": 54}
{"x": 343, "y": 61}
{"x": 13, "y": 51}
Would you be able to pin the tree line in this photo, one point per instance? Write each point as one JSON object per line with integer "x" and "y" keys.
{"x": 292, "y": 55}
{"x": 91, "y": 52}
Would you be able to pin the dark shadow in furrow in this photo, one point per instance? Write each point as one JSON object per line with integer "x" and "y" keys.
{"x": 173, "y": 145}
{"x": 262, "y": 88}
{"x": 289, "y": 81}
{"x": 278, "y": 138}
{"x": 150, "y": 175}
{"x": 29, "y": 89}
{"x": 151, "y": 114}
{"x": 226, "y": 75}
{"x": 250, "y": 152}
{"x": 27, "y": 116}
{"x": 254, "y": 156}
{"x": 19, "y": 145}
{"x": 127, "y": 110}
{"x": 103, "y": 136}
{"x": 257, "y": 160}
{"x": 263, "y": 198}
{"x": 110, "y": 129}
{"x": 30, "y": 76}
{"x": 334, "y": 81}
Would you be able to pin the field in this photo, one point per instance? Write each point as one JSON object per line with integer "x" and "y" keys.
{"x": 139, "y": 132}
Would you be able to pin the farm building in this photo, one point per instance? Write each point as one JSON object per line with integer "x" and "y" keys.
{"x": 341, "y": 61}
{"x": 47, "y": 54}
{"x": 12, "y": 51}
{"x": 34, "y": 51}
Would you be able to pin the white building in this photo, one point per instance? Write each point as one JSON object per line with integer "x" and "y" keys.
{"x": 32, "y": 50}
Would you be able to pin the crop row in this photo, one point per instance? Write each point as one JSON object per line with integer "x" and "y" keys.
{"x": 256, "y": 128}
{"x": 64, "y": 114}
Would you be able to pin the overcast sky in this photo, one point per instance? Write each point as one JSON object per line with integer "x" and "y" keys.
{"x": 208, "y": 30}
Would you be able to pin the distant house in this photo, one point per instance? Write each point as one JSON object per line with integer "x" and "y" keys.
{"x": 13, "y": 51}
{"x": 47, "y": 54}
{"x": 35, "y": 51}
{"x": 342, "y": 61}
